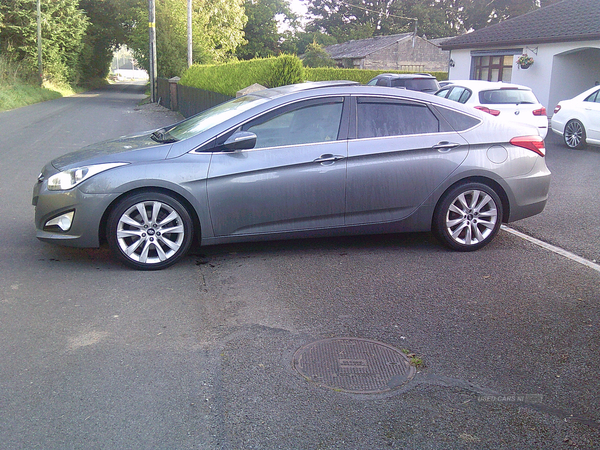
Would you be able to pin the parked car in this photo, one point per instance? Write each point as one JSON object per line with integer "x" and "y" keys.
{"x": 422, "y": 82}
{"x": 508, "y": 101}
{"x": 315, "y": 159}
{"x": 578, "y": 120}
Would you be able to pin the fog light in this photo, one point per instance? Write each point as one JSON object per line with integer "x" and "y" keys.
{"x": 64, "y": 221}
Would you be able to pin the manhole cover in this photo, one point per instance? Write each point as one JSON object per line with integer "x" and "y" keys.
{"x": 353, "y": 365}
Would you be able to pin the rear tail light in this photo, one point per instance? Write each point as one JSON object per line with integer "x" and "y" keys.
{"x": 533, "y": 143}
{"x": 540, "y": 112}
{"x": 493, "y": 112}
{"x": 557, "y": 109}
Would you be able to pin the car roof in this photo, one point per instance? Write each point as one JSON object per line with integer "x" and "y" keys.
{"x": 404, "y": 75}
{"x": 482, "y": 85}
{"x": 292, "y": 88}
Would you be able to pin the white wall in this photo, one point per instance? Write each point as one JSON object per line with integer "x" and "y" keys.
{"x": 559, "y": 71}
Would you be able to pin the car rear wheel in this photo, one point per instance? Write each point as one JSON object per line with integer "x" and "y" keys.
{"x": 468, "y": 217}
{"x": 149, "y": 231}
{"x": 574, "y": 134}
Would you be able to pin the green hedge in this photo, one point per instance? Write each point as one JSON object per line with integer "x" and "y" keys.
{"x": 361, "y": 75}
{"x": 272, "y": 72}
{"x": 231, "y": 77}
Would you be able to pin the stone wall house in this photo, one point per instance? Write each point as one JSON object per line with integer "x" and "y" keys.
{"x": 403, "y": 52}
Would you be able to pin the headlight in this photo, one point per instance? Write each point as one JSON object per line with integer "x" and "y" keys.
{"x": 68, "y": 179}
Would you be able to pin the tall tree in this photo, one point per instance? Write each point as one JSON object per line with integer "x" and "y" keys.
{"x": 217, "y": 29}
{"x": 358, "y": 19}
{"x": 262, "y": 29}
{"x": 63, "y": 28}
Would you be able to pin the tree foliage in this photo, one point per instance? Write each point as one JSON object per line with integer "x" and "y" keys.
{"x": 360, "y": 19}
{"x": 315, "y": 56}
{"x": 261, "y": 32}
{"x": 216, "y": 27}
{"x": 63, "y": 28}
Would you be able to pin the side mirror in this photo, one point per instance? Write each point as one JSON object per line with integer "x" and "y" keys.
{"x": 242, "y": 140}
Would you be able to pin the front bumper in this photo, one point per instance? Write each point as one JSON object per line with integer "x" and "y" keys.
{"x": 88, "y": 210}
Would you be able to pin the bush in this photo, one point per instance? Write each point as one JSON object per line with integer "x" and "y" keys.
{"x": 361, "y": 75}
{"x": 231, "y": 77}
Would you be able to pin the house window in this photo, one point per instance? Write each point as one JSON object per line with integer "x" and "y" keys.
{"x": 493, "y": 68}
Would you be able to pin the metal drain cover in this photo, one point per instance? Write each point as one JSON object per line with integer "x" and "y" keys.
{"x": 353, "y": 365}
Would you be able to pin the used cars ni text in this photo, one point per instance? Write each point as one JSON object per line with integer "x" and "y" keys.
{"x": 313, "y": 159}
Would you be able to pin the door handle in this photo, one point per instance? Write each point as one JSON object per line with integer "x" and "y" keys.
{"x": 445, "y": 146}
{"x": 328, "y": 158}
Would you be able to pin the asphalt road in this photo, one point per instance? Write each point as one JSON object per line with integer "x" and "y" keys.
{"x": 96, "y": 356}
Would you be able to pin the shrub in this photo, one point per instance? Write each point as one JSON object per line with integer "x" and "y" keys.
{"x": 361, "y": 75}
{"x": 231, "y": 77}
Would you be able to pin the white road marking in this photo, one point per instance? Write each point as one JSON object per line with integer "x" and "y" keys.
{"x": 552, "y": 248}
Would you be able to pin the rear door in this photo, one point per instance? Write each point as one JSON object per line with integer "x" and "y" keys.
{"x": 400, "y": 153}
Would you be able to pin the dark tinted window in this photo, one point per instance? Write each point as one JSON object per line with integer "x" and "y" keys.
{"x": 506, "y": 96}
{"x": 379, "y": 118}
{"x": 458, "y": 121}
{"x": 398, "y": 82}
{"x": 304, "y": 125}
{"x": 422, "y": 84}
{"x": 382, "y": 82}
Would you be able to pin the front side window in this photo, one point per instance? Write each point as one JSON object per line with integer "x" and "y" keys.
{"x": 381, "y": 118}
{"x": 303, "y": 125}
{"x": 493, "y": 68}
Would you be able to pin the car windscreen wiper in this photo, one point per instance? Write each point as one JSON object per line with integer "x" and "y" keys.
{"x": 162, "y": 136}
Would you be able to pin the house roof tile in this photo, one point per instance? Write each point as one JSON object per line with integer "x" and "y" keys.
{"x": 569, "y": 20}
{"x": 363, "y": 47}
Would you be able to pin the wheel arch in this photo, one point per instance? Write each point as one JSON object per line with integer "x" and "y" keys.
{"x": 497, "y": 187}
{"x": 155, "y": 189}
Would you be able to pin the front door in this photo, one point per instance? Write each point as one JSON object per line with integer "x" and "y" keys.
{"x": 294, "y": 178}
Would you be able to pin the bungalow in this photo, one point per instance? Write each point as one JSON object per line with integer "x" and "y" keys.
{"x": 563, "y": 39}
{"x": 395, "y": 52}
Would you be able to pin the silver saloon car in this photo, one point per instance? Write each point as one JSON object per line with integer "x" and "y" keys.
{"x": 305, "y": 160}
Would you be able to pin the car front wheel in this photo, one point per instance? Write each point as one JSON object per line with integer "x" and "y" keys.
{"x": 468, "y": 217}
{"x": 149, "y": 231}
{"x": 574, "y": 134}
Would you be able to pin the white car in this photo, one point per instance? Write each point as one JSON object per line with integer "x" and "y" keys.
{"x": 578, "y": 120}
{"x": 508, "y": 101}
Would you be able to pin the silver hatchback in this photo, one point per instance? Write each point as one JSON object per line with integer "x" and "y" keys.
{"x": 305, "y": 160}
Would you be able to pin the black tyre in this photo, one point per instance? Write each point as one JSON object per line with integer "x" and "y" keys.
{"x": 574, "y": 135}
{"x": 149, "y": 231}
{"x": 468, "y": 217}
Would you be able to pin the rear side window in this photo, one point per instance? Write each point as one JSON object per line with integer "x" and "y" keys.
{"x": 459, "y": 94}
{"x": 382, "y": 117}
{"x": 593, "y": 98}
{"x": 457, "y": 120}
{"x": 506, "y": 96}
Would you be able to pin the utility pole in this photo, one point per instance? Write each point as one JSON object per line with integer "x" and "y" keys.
{"x": 152, "y": 35}
{"x": 189, "y": 32}
{"x": 39, "y": 41}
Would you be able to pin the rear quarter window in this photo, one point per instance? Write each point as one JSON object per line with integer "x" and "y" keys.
{"x": 457, "y": 120}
